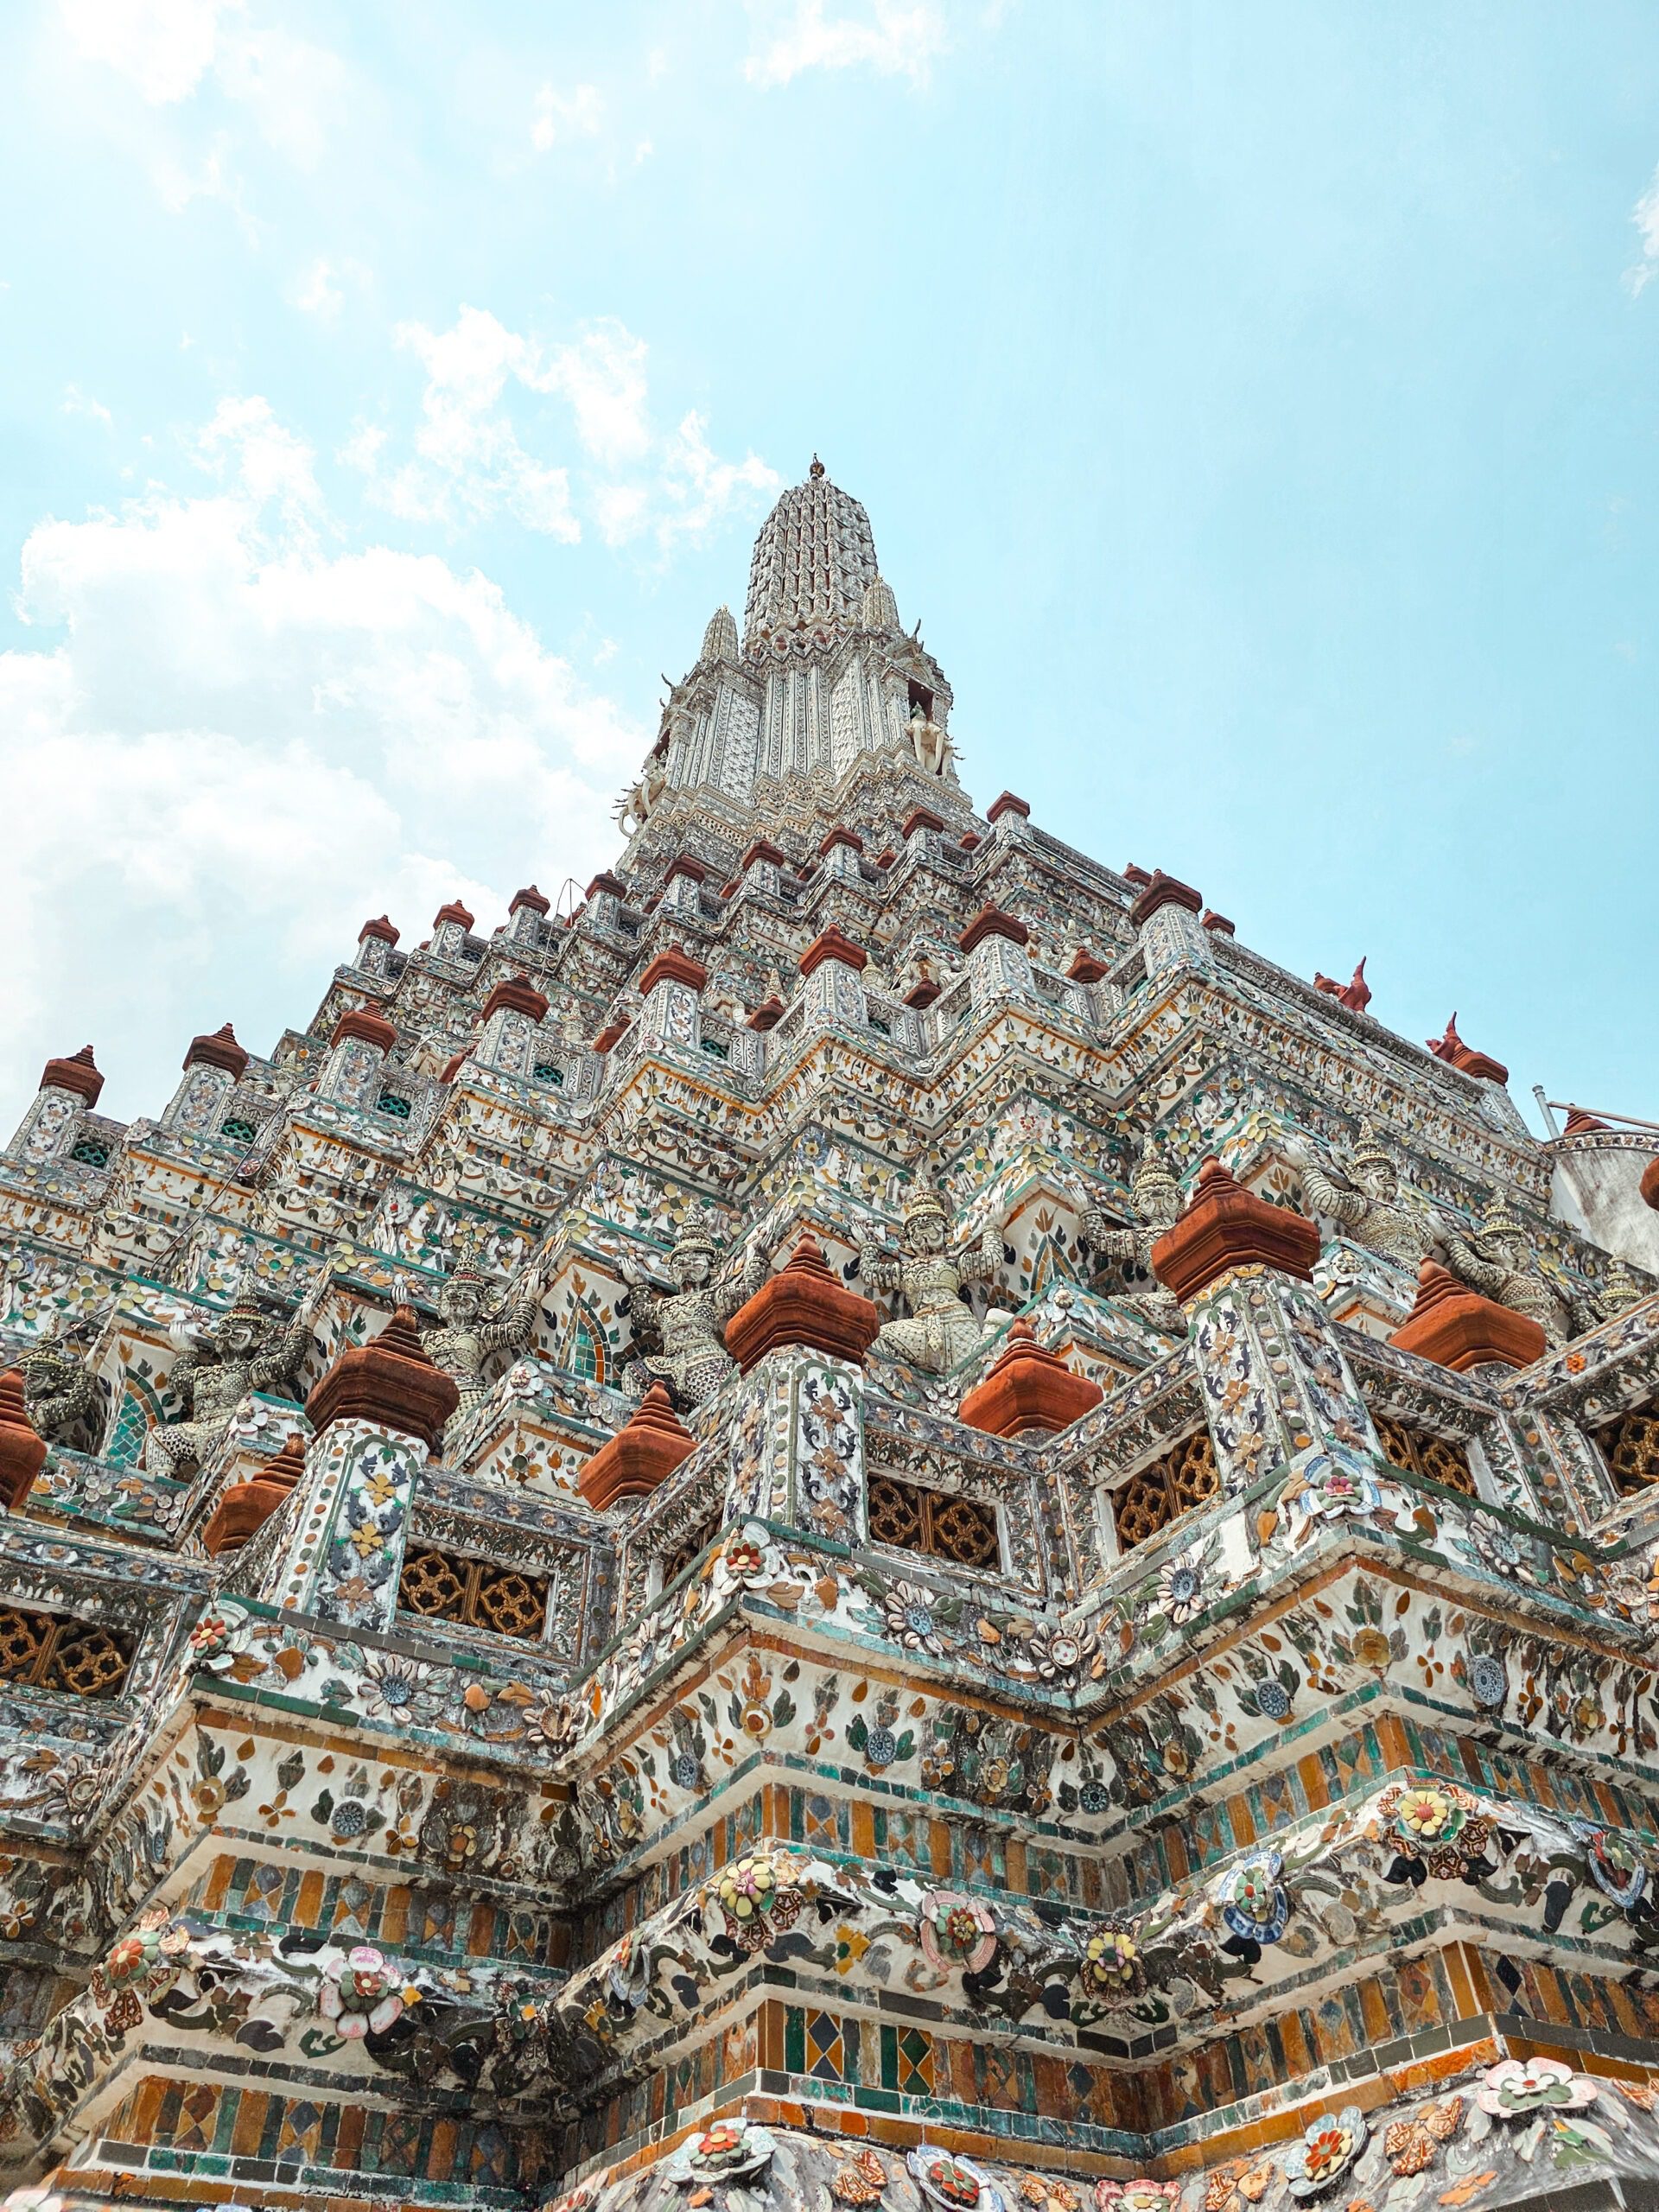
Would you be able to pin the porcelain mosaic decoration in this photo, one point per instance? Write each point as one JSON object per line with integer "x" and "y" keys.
{"x": 876, "y": 1523}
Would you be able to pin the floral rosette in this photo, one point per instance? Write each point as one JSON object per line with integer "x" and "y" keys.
{"x": 149, "y": 1958}
{"x": 1179, "y": 1587}
{"x": 360, "y": 1994}
{"x": 956, "y": 1932}
{"x": 958, "y": 2185}
{"x": 1256, "y": 1905}
{"x": 1618, "y": 1870}
{"x": 1328, "y": 2148}
{"x": 730, "y": 2151}
{"x": 757, "y": 1896}
{"x": 1436, "y": 1826}
{"x": 1110, "y": 1971}
{"x": 1140, "y": 2195}
{"x": 1516, "y": 2086}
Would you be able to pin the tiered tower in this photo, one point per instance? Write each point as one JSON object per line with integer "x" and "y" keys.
{"x": 878, "y": 1522}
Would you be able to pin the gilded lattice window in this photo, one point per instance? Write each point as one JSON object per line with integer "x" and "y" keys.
{"x": 1435, "y": 1457}
{"x": 1160, "y": 1492}
{"x": 440, "y": 1586}
{"x": 54, "y": 1652}
{"x": 1630, "y": 1447}
{"x": 691, "y": 1547}
{"x": 918, "y": 1520}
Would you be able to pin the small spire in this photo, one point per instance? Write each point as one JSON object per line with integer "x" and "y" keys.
{"x": 817, "y": 469}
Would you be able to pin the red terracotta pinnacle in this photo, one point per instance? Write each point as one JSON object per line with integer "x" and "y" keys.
{"x": 23, "y": 1450}
{"x": 531, "y": 897}
{"x": 991, "y": 921}
{"x": 243, "y": 1507}
{"x": 1649, "y": 1184}
{"x": 803, "y": 1305}
{"x": 218, "y": 1050}
{"x": 643, "y": 1452}
{"x": 389, "y": 1383}
{"x": 1008, "y": 802}
{"x": 1029, "y": 1387}
{"x": 1580, "y": 1124}
{"x": 379, "y": 927}
{"x": 1217, "y": 923}
{"x": 920, "y": 818}
{"x": 768, "y": 1013}
{"x": 1086, "y": 967}
{"x": 373, "y": 1029}
{"x": 518, "y": 994}
{"x": 78, "y": 1075}
{"x": 1225, "y": 1227}
{"x": 841, "y": 835}
{"x": 453, "y": 911}
{"x": 832, "y": 945}
{"x": 673, "y": 964}
{"x": 1163, "y": 890}
{"x": 1456, "y": 1327}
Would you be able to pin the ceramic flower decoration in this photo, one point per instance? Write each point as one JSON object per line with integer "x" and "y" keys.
{"x": 1137, "y": 2195}
{"x": 1517, "y": 2085}
{"x": 1329, "y": 2146}
{"x": 957, "y": 1931}
{"x": 958, "y": 2185}
{"x": 361, "y": 1995}
{"x": 1256, "y": 1906}
{"x": 730, "y": 2151}
{"x": 757, "y": 1896}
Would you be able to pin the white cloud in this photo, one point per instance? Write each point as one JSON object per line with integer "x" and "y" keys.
{"x": 166, "y": 47}
{"x": 294, "y": 91}
{"x": 263, "y": 737}
{"x": 470, "y": 461}
{"x": 1645, "y": 216}
{"x": 894, "y": 39}
{"x": 77, "y": 401}
{"x": 560, "y": 116}
{"x": 320, "y": 288}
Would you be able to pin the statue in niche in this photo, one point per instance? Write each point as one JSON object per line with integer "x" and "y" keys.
{"x": 1365, "y": 1200}
{"x": 243, "y": 1351}
{"x": 633, "y": 810}
{"x": 1497, "y": 1260}
{"x": 473, "y": 1325}
{"x": 941, "y": 1330}
{"x": 928, "y": 741}
{"x": 681, "y": 1330}
{"x": 60, "y": 1393}
{"x": 1155, "y": 1197}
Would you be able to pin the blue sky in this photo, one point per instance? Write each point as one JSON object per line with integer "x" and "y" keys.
{"x": 1255, "y": 404}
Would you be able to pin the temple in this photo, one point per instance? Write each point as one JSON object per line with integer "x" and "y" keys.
{"x": 874, "y": 1522}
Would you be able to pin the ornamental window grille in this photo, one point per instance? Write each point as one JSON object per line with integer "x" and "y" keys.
{"x": 1159, "y": 1493}
{"x": 716, "y": 1048}
{"x": 238, "y": 1132}
{"x": 1630, "y": 1447}
{"x": 945, "y": 1526}
{"x": 54, "y": 1651}
{"x": 546, "y": 1071}
{"x": 477, "y": 1593}
{"x": 393, "y": 1105}
{"x": 691, "y": 1547}
{"x": 90, "y": 1152}
{"x": 1439, "y": 1458}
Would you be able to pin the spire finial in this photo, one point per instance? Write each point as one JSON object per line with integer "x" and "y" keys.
{"x": 817, "y": 469}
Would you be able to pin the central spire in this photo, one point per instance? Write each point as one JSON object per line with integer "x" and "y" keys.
{"x": 813, "y": 561}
